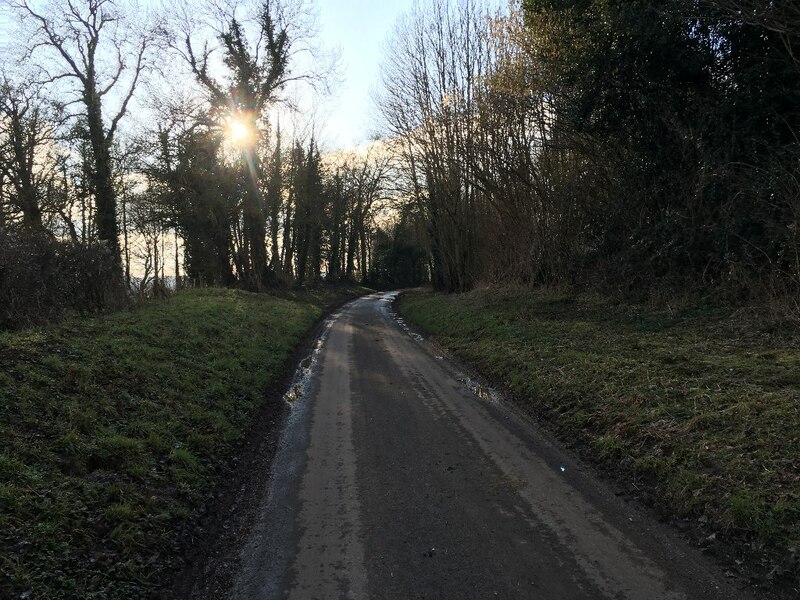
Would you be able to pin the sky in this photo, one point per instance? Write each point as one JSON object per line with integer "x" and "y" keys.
{"x": 359, "y": 29}
{"x": 5, "y": 24}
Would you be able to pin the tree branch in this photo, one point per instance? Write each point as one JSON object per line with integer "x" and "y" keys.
{"x": 124, "y": 107}
{"x": 55, "y": 40}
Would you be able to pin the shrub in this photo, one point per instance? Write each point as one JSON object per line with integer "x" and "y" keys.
{"x": 42, "y": 277}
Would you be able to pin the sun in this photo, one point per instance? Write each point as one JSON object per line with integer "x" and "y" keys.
{"x": 239, "y": 132}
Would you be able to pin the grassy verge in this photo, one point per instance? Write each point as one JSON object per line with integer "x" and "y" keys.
{"x": 698, "y": 407}
{"x": 115, "y": 428}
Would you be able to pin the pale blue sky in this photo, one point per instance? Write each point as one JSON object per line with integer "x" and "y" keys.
{"x": 359, "y": 28}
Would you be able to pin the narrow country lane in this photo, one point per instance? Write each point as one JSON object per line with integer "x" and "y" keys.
{"x": 394, "y": 480}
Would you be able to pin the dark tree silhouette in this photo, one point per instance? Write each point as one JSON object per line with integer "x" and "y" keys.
{"x": 69, "y": 43}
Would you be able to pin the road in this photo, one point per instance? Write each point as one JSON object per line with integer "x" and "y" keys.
{"x": 394, "y": 479}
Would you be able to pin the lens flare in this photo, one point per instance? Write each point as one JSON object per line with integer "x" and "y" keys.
{"x": 239, "y": 132}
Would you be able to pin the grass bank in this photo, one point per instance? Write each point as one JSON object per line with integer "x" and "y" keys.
{"x": 698, "y": 409}
{"x": 115, "y": 428}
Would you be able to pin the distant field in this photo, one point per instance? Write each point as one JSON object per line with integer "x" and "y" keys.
{"x": 698, "y": 409}
{"x": 115, "y": 428}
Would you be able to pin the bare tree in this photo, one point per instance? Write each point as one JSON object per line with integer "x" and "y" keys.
{"x": 28, "y": 157}
{"x": 434, "y": 67}
{"x": 472, "y": 116}
{"x": 93, "y": 48}
{"x": 364, "y": 178}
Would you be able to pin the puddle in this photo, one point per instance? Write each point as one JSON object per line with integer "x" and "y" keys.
{"x": 407, "y": 329}
{"x": 387, "y": 298}
{"x": 308, "y": 366}
{"x": 484, "y": 392}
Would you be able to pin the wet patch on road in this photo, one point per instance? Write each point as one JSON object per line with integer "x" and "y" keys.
{"x": 387, "y": 300}
{"x": 308, "y": 366}
{"x": 482, "y": 391}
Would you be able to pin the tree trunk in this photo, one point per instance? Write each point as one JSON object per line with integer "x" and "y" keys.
{"x": 362, "y": 235}
{"x": 101, "y": 174}
{"x": 125, "y": 237}
{"x": 287, "y": 251}
{"x": 352, "y": 242}
{"x": 302, "y": 254}
{"x": 177, "y": 264}
{"x": 27, "y": 198}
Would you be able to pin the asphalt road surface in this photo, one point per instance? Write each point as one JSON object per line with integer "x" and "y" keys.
{"x": 394, "y": 479}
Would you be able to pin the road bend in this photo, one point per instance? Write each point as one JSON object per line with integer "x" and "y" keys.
{"x": 394, "y": 479}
